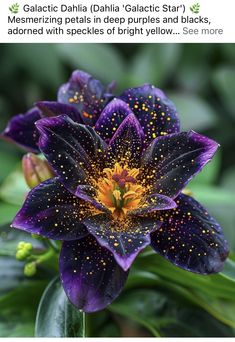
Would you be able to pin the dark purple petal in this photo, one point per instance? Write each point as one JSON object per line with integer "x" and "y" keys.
{"x": 124, "y": 239}
{"x": 190, "y": 238}
{"x": 86, "y": 94}
{"x": 154, "y": 202}
{"x": 52, "y": 211}
{"x": 88, "y": 193}
{"x": 50, "y": 109}
{"x": 127, "y": 143}
{"x": 90, "y": 276}
{"x": 22, "y": 131}
{"x": 111, "y": 118}
{"x": 73, "y": 150}
{"x": 155, "y": 112}
{"x": 171, "y": 161}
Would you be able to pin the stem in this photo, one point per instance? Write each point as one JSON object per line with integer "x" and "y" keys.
{"x": 52, "y": 245}
{"x": 44, "y": 257}
{"x": 84, "y": 324}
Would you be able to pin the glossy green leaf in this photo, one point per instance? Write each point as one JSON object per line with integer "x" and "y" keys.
{"x": 11, "y": 273}
{"x": 193, "y": 322}
{"x": 40, "y": 61}
{"x": 56, "y": 317}
{"x": 209, "y": 173}
{"x": 4, "y": 108}
{"x": 11, "y": 270}
{"x": 153, "y": 63}
{"x": 229, "y": 270}
{"x": 215, "y": 293}
{"x": 18, "y": 309}
{"x": 213, "y": 285}
{"x": 213, "y": 194}
{"x": 167, "y": 314}
{"x": 102, "y": 324}
{"x": 228, "y": 179}
{"x": 220, "y": 203}
{"x": 144, "y": 311}
{"x": 14, "y": 188}
{"x": 7, "y": 212}
{"x": 8, "y": 154}
{"x": 224, "y": 83}
{"x": 195, "y": 113}
{"x": 10, "y": 237}
{"x": 228, "y": 50}
{"x": 102, "y": 61}
{"x": 189, "y": 76}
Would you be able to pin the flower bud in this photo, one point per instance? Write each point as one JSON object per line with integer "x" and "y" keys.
{"x": 22, "y": 254}
{"x": 35, "y": 170}
{"x": 30, "y": 269}
{"x": 21, "y": 245}
{"x": 23, "y": 250}
{"x": 25, "y": 246}
{"x": 28, "y": 247}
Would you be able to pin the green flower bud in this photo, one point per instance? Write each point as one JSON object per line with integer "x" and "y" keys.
{"x": 30, "y": 269}
{"x": 22, "y": 254}
{"x": 28, "y": 247}
{"x": 35, "y": 170}
{"x": 21, "y": 245}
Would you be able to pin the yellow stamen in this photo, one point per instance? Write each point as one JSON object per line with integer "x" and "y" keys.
{"x": 119, "y": 190}
{"x": 117, "y": 194}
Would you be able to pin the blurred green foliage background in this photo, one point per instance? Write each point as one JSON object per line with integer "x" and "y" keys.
{"x": 198, "y": 78}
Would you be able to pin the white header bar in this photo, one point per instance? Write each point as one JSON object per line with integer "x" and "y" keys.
{"x": 117, "y": 21}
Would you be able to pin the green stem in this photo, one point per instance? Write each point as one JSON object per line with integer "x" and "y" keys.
{"x": 46, "y": 256}
{"x": 52, "y": 244}
{"x": 84, "y": 323}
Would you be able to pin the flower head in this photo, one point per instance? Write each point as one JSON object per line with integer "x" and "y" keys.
{"x": 86, "y": 101}
{"x": 82, "y": 99}
{"x": 118, "y": 188}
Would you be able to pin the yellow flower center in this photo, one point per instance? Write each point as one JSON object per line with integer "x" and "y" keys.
{"x": 119, "y": 190}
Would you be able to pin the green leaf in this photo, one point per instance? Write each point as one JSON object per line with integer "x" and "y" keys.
{"x": 101, "y": 60}
{"x": 11, "y": 273}
{"x": 56, "y": 317}
{"x": 229, "y": 270}
{"x": 18, "y": 309}
{"x": 154, "y": 63}
{"x": 9, "y": 156}
{"x": 11, "y": 270}
{"x": 7, "y": 212}
{"x": 144, "y": 311}
{"x": 193, "y": 72}
{"x": 224, "y": 82}
{"x": 220, "y": 203}
{"x": 209, "y": 173}
{"x": 228, "y": 50}
{"x": 14, "y": 188}
{"x": 195, "y": 113}
{"x": 164, "y": 313}
{"x": 10, "y": 237}
{"x": 214, "y": 285}
{"x": 49, "y": 72}
{"x": 102, "y": 324}
{"x": 193, "y": 322}
{"x": 214, "y": 293}
{"x": 228, "y": 179}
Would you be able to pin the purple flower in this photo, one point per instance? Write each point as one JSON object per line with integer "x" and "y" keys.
{"x": 82, "y": 99}
{"x": 86, "y": 101}
{"x": 118, "y": 188}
